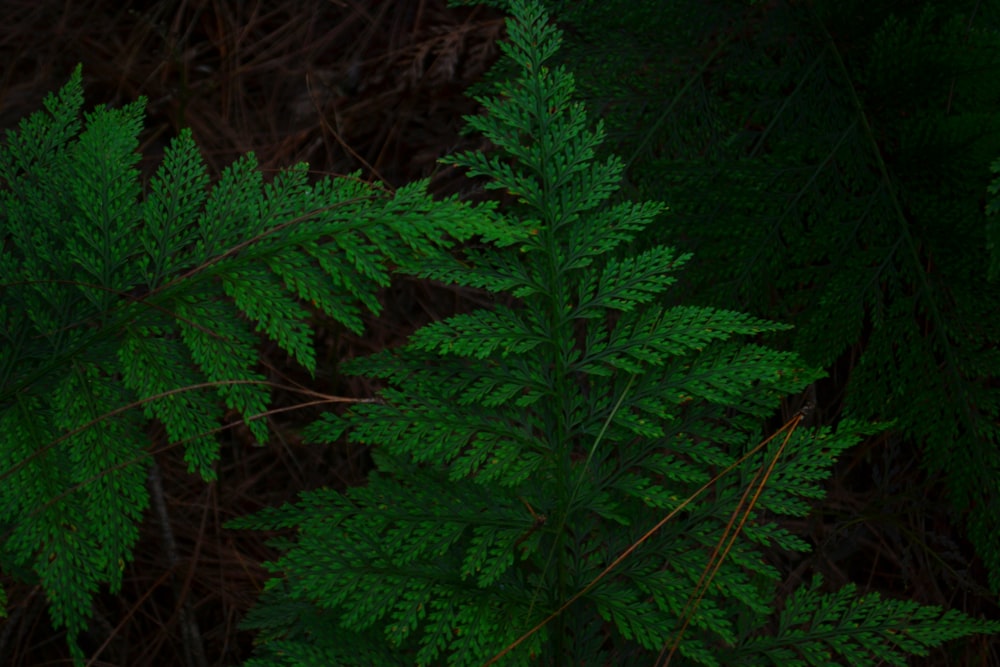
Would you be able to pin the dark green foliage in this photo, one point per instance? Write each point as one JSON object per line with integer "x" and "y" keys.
{"x": 993, "y": 228}
{"x": 118, "y": 309}
{"x": 827, "y": 161}
{"x": 522, "y": 449}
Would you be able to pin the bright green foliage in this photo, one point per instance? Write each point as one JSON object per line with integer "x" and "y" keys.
{"x": 521, "y": 449}
{"x": 827, "y": 161}
{"x": 119, "y": 309}
{"x": 864, "y": 630}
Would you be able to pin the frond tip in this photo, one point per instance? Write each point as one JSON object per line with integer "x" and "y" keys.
{"x": 815, "y": 627}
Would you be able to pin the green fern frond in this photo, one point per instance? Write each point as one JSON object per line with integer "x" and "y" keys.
{"x": 521, "y": 450}
{"x": 120, "y": 308}
{"x": 866, "y": 630}
{"x": 827, "y": 162}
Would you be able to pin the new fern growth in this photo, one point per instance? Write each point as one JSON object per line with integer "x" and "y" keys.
{"x": 522, "y": 450}
{"x": 118, "y": 309}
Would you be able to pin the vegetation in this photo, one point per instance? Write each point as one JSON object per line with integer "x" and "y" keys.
{"x": 573, "y": 476}
{"x": 118, "y": 310}
{"x": 587, "y": 470}
{"x": 827, "y": 162}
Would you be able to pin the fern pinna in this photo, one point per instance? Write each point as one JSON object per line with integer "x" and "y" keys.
{"x": 118, "y": 309}
{"x": 521, "y": 449}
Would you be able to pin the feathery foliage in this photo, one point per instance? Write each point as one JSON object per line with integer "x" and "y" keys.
{"x": 119, "y": 310}
{"x": 522, "y": 450}
{"x": 827, "y": 161}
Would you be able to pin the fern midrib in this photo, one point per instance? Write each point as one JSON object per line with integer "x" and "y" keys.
{"x": 560, "y": 327}
{"x": 562, "y": 343}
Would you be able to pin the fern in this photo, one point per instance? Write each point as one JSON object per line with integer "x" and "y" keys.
{"x": 526, "y": 454}
{"x": 118, "y": 310}
{"x": 827, "y": 161}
